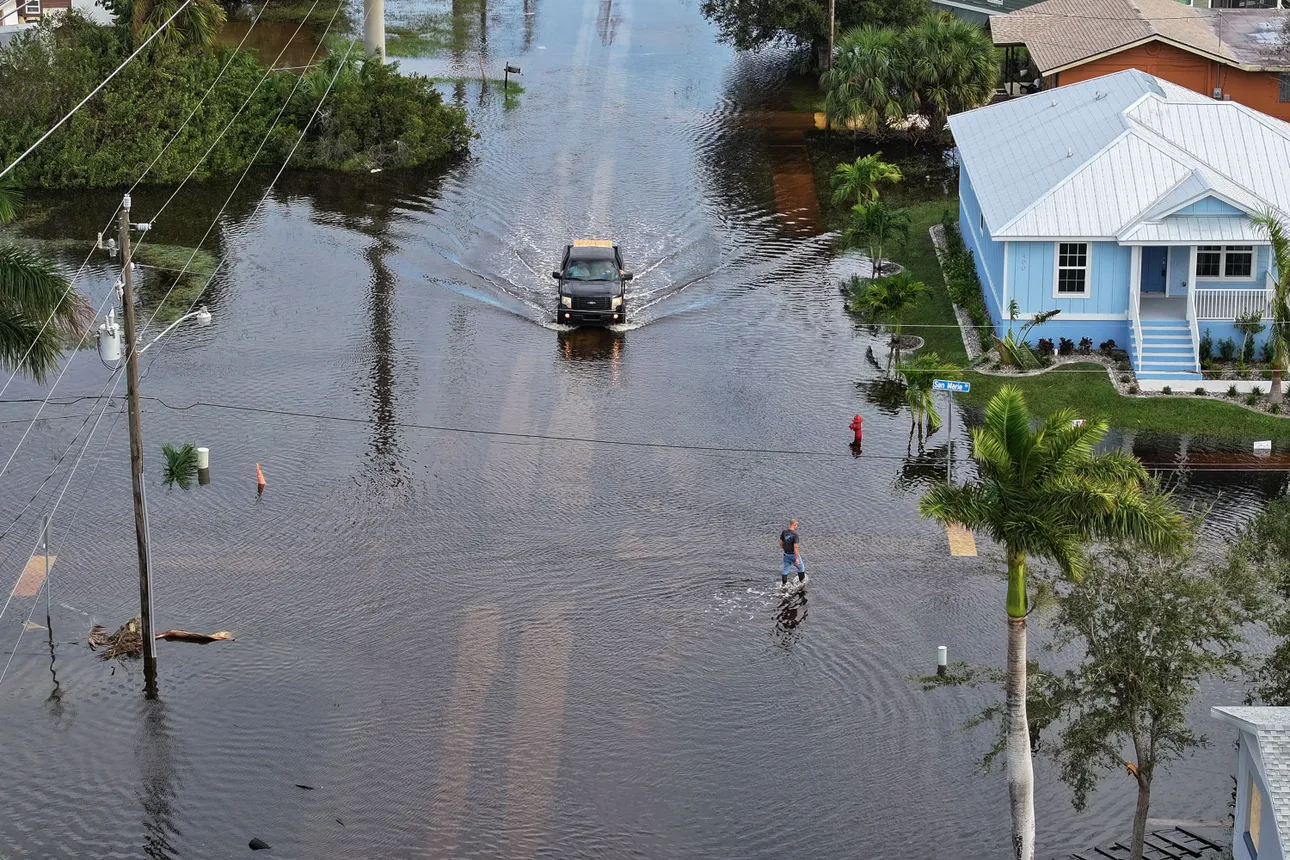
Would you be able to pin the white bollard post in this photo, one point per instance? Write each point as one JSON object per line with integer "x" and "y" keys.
{"x": 374, "y": 28}
{"x": 203, "y": 458}
{"x": 942, "y": 660}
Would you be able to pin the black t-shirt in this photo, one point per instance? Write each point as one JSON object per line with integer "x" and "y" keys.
{"x": 789, "y": 539}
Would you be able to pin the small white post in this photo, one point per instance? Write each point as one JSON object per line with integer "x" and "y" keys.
{"x": 203, "y": 458}
{"x": 942, "y": 660}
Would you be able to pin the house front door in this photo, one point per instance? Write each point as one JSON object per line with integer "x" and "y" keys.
{"x": 1155, "y": 270}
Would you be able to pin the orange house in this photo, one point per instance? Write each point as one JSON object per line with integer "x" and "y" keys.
{"x": 1237, "y": 54}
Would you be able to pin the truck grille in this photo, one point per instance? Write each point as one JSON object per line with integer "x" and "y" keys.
{"x": 591, "y": 303}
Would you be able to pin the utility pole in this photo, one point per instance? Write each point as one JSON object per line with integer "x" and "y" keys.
{"x": 374, "y": 28}
{"x": 832, "y": 27}
{"x": 136, "y": 461}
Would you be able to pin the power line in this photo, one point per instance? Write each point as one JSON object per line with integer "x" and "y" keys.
{"x": 45, "y": 583}
{"x": 95, "y": 91}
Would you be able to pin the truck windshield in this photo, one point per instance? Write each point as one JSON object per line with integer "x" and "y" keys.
{"x": 592, "y": 270}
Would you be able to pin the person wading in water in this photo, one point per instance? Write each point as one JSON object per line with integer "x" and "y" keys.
{"x": 791, "y": 544}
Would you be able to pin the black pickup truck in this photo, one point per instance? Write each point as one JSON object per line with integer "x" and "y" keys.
{"x": 591, "y": 282}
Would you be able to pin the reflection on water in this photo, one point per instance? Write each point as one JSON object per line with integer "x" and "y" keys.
{"x": 589, "y": 343}
{"x": 283, "y": 44}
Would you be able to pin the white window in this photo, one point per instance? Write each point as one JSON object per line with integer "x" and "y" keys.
{"x": 33, "y": 7}
{"x": 1233, "y": 261}
{"x": 1072, "y": 270}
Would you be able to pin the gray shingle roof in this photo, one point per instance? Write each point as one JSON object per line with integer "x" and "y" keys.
{"x": 1271, "y": 727}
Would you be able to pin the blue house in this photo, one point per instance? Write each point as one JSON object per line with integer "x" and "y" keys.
{"x": 1126, "y": 202}
{"x": 1261, "y": 824}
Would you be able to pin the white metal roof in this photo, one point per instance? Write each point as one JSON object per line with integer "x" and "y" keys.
{"x": 1271, "y": 729}
{"x": 1096, "y": 158}
{"x": 1195, "y": 230}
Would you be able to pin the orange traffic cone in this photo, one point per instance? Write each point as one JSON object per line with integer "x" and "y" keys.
{"x": 259, "y": 480}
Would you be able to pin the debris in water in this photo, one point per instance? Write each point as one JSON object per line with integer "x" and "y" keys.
{"x": 200, "y": 638}
{"x": 127, "y": 641}
{"x": 259, "y": 845}
{"x": 341, "y": 823}
{"x": 305, "y": 787}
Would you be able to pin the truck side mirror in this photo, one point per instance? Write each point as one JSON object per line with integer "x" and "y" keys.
{"x": 555, "y": 275}
{"x": 627, "y": 276}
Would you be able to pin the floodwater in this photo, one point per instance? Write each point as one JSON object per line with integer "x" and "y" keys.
{"x": 501, "y": 597}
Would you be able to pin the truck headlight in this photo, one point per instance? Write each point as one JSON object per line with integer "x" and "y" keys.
{"x": 615, "y": 303}
{"x": 566, "y": 301}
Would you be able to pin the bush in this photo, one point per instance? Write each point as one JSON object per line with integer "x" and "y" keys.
{"x": 1065, "y": 346}
{"x": 1044, "y": 347}
{"x": 1107, "y": 347}
{"x": 961, "y": 280}
{"x": 1256, "y": 391}
{"x": 1251, "y": 399}
{"x": 1086, "y": 346}
{"x": 1232, "y": 392}
{"x": 1226, "y": 349}
{"x": 1274, "y": 408}
{"x": 1242, "y": 371}
{"x": 1120, "y": 355}
{"x": 1200, "y": 391}
{"x": 1205, "y": 351}
{"x": 373, "y": 116}
{"x": 1124, "y": 366}
{"x": 1133, "y": 389}
{"x": 1124, "y": 378}
{"x": 1166, "y": 390}
{"x": 1265, "y": 352}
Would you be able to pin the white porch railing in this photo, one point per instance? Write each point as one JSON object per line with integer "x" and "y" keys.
{"x": 1193, "y": 324}
{"x": 1135, "y": 314}
{"x": 1230, "y": 304}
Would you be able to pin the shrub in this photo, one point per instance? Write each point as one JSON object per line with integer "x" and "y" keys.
{"x": 1206, "y": 349}
{"x": 1232, "y": 392}
{"x": 1120, "y": 355}
{"x": 1274, "y": 408}
{"x": 1107, "y": 347}
{"x": 1133, "y": 389}
{"x": 1123, "y": 366}
{"x": 1242, "y": 370}
{"x": 1085, "y": 346}
{"x": 1226, "y": 349}
{"x": 1200, "y": 391}
{"x": 961, "y": 280}
{"x": 1044, "y": 347}
{"x": 1256, "y": 391}
{"x": 1125, "y": 378}
{"x": 1206, "y": 363}
{"x": 1166, "y": 390}
{"x": 1065, "y": 346}
{"x": 1265, "y": 352}
{"x": 1251, "y": 399}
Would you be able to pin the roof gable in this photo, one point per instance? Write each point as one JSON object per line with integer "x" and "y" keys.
{"x": 1271, "y": 729}
{"x": 1064, "y": 33}
{"x": 1096, "y": 158}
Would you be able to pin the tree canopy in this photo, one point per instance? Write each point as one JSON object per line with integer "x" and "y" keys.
{"x": 752, "y": 24}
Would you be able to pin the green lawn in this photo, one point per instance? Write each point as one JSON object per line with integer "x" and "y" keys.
{"x": 1091, "y": 395}
{"x": 918, "y": 256}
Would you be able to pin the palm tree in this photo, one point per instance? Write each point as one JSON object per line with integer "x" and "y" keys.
{"x": 197, "y": 25}
{"x": 1044, "y": 493}
{"x": 918, "y": 375}
{"x": 859, "y": 180}
{"x": 31, "y": 292}
{"x": 884, "y": 300}
{"x": 951, "y": 67}
{"x": 862, "y": 89}
{"x": 1279, "y": 337}
{"x": 873, "y": 226}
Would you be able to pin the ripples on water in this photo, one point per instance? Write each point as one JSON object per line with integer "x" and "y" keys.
{"x": 475, "y": 646}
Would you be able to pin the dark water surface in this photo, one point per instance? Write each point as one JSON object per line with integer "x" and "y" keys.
{"x": 507, "y": 647}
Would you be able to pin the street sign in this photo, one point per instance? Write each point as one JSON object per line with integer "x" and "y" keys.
{"x": 951, "y": 385}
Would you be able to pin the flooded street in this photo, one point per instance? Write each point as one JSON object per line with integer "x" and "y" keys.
{"x": 507, "y": 593}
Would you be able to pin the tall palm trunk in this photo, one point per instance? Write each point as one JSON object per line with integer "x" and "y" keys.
{"x": 1274, "y": 393}
{"x": 1021, "y": 774}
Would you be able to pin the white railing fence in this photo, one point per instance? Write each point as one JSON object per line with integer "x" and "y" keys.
{"x": 1230, "y": 304}
{"x": 1135, "y": 319}
{"x": 1193, "y": 324}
